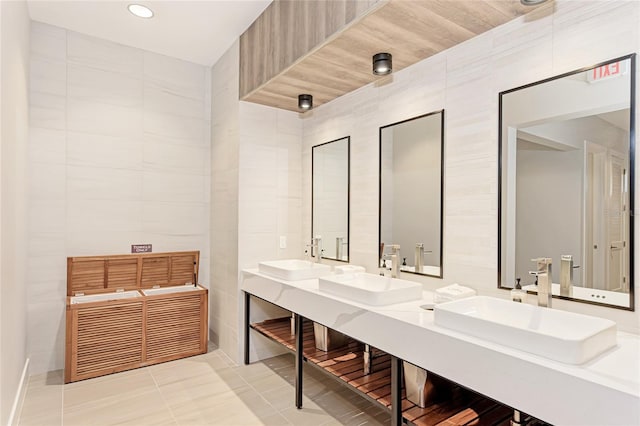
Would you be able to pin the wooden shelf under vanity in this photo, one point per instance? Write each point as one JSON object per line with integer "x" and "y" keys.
{"x": 461, "y": 407}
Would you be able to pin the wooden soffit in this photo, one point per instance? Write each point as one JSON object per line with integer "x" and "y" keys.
{"x": 411, "y": 30}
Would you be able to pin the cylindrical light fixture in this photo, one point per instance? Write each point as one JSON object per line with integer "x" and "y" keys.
{"x": 305, "y": 102}
{"x": 382, "y": 64}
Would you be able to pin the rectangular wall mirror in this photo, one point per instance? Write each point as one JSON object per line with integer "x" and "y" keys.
{"x": 330, "y": 198}
{"x": 566, "y": 183}
{"x": 411, "y": 176}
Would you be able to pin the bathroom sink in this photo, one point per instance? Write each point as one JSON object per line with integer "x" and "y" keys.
{"x": 559, "y": 335}
{"x": 104, "y": 296}
{"x": 294, "y": 269}
{"x": 371, "y": 289}
{"x": 172, "y": 289}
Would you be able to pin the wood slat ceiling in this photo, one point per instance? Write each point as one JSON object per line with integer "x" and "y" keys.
{"x": 411, "y": 30}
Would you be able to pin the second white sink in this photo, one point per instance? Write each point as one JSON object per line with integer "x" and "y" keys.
{"x": 559, "y": 335}
{"x": 371, "y": 289}
{"x": 294, "y": 269}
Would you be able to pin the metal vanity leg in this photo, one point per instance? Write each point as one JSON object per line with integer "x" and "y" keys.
{"x": 247, "y": 326}
{"x": 368, "y": 359}
{"x": 299, "y": 360}
{"x": 396, "y": 391}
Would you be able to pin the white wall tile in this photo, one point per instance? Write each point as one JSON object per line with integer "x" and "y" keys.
{"x": 47, "y": 41}
{"x": 48, "y": 76}
{"x": 173, "y": 187}
{"x": 103, "y": 119}
{"x": 47, "y": 146}
{"x": 175, "y": 76}
{"x": 108, "y": 87}
{"x": 104, "y": 55}
{"x": 85, "y": 149}
{"x": 98, "y": 183}
{"x": 47, "y": 111}
{"x": 163, "y": 100}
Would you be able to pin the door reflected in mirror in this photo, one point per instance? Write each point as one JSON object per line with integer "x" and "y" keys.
{"x": 411, "y": 158}
{"x": 330, "y": 198}
{"x": 566, "y": 183}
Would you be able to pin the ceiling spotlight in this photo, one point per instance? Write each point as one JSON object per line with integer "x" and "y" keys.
{"x": 140, "y": 11}
{"x": 382, "y": 64}
{"x": 532, "y": 2}
{"x": 305, "y": 102}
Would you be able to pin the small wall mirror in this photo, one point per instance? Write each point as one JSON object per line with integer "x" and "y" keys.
{"x": 411, "y": 158}
{"x": 566, "y": 183}
{"x": 330, "y": 198}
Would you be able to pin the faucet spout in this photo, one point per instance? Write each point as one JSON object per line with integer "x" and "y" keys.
{"x": 395, "y": 257}
{"x": 543, "y": 272}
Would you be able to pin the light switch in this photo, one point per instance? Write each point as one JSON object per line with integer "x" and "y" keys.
{"x": 283, "y": 241}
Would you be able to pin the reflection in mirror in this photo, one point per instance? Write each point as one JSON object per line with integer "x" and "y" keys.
{"x": 411, "y": 157}
{"x": 330, "y": 198}
{"x": 566, "y": 183}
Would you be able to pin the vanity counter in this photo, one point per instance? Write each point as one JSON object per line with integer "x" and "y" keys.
{"x": 605, "y": 390}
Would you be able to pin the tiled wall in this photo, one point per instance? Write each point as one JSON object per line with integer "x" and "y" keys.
{"x": 14, "y": 126}
{"x": 256, "y": 195}
{"x": 465, "y": 80}
{"x": 119, "y": 154}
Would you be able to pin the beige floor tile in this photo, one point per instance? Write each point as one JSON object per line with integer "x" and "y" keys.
{"x": 308, "y": 415}
{"x": 135, "y": 407}
{"x": 118, "y": 388}
{"x": 43, "y": 400}
{"x": 202, "y": 390}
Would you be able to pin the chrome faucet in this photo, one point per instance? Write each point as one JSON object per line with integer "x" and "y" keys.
{"x": 566, "y": 274}
{"x": 339, "y": 244}
{"x": 543, "y": 274}
{"x": 419, "y": 257}
{"x": 316, "y": 248}
{"x": 395, "y": 260}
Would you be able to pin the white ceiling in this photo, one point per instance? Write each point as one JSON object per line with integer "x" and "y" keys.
{"x": 196, "y": 31}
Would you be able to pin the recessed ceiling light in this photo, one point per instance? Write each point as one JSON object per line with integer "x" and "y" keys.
{"x": 140, "y": 11}
{"x": 532, "y": 2}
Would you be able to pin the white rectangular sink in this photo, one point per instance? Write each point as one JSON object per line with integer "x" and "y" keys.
{"x": 116, "y": 295}
{"x": 559, "y": 335}
{"x": 294, "y": 269}
{"x": 172, "y": 289}
{"x": 371, "y": 289}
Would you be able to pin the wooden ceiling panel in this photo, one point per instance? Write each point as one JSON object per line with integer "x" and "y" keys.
{"x": 411, "y": 30}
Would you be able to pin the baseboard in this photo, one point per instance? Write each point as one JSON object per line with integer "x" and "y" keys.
{"x": 20, "y": 394}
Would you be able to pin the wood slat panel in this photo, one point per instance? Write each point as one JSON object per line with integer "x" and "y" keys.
{"x": 167, "y": 333}
{"x": 155, "y": 271}
{"x": 122, "y": 273}
{"x": 87, "y": 276}
{"x": 122, "y": 325}
{"x": 182, "y": 269}
{"x": 98, "y": 274}
{"x": 410, "y": 30}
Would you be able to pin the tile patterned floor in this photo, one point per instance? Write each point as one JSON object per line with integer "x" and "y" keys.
{"x": 203, "y": 390}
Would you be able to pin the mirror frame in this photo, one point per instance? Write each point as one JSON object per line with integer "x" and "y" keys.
{"x": 441, "y": 112}
{"x": 348, "y": 138}
{"x": 632, "y": 173}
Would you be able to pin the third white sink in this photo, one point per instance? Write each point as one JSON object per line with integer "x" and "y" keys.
{"x": 559, "y": 335}
{"x": 371, "y": 289}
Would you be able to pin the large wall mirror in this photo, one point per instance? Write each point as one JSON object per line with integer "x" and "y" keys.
{"x": 411, "y": 158}
{"x": 330, "y": 198}
{"x": 566, "y": 183}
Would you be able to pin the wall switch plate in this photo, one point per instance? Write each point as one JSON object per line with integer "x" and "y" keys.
{"x": 283, "y": 242}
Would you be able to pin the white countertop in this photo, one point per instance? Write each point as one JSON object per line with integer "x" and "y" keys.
{"x": 604, "y": 391}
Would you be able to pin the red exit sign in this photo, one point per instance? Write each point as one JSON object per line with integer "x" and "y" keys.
{"x": 605, "y": 72}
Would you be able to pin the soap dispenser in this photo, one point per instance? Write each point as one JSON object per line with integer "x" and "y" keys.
{"x": 518, "y": 294}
